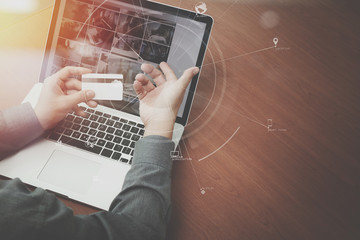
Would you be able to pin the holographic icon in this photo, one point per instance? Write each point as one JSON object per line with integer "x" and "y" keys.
{"x": 275, "y": 40}
{"x": 90, "y": 143}
{"x": 175, "y": 155}
{"x": 200, "y": 7}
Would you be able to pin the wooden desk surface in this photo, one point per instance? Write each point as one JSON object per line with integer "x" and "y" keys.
{"x": 274, "y": 132}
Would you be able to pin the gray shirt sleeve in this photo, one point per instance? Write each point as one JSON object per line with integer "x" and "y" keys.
{"x": 18, "y": 127}
{"x": 140, "y": 211}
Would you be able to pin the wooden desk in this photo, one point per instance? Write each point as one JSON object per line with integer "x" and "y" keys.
{"x": 296, "y": 179}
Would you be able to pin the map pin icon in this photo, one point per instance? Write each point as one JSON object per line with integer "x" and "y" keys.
{"x": 275, "y": 40}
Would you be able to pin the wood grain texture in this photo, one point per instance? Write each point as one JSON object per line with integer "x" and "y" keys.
{"x": 301, "y": 181}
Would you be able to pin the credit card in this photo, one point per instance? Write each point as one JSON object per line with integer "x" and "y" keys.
{"x": 105, "y": 86}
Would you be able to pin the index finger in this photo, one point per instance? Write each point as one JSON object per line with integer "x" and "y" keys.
{"x": 68, "y": 72}
{"x": 151, "y": 70}
{"x": 168, "y": 72}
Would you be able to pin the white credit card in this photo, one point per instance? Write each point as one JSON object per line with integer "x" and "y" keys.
{"x": 105, "y": 86}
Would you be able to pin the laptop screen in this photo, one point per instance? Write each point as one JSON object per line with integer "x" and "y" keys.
{"x": 116, "y": 37}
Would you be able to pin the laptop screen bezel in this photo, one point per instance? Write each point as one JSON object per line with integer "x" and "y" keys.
{"x": 208, "y": 20}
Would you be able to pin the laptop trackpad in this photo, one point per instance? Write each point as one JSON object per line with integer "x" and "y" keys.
{"x": 69, "y": 171}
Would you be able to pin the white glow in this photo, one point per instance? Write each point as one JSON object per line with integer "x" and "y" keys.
{"x": 18, "y": 6}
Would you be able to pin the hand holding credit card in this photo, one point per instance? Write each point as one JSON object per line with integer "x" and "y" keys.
{"x": 105, "y": 86}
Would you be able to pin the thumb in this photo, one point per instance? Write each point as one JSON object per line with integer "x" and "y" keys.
{"x": 79, "y": 97}
{"x": 188, "y": 75}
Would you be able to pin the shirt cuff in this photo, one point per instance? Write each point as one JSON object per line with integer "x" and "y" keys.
{"x": 154, "y": 150}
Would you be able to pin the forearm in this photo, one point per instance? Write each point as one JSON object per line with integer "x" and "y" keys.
{"x": 140, "y": 211}
{"x": 18, "y": 127}
{"x": 146, "y": 194}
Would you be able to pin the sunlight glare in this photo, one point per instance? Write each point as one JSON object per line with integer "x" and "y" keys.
{"x": 18, "y": 6}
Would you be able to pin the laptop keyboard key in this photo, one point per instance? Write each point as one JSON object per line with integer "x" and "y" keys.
{"x": 86, "y": 115}
{"x": 86, "y": 123}
{"x": 132, "y": 144}
{"x": 67, "y": 124}
{"x": 76, "y": 135}
{"x": 101, "y": 120}
{"x": 123, "y": 120}
{"x": 102, "y": 127}
{"x": 115, "y": 118}
{"x": 65, "y": 139}
{"x": 76, "y": 127}
{"x": 70, "y": 118}
{"x": 77, "y": 120}
{"x": 126, "y": 127}
{"x": 109, "y": 137}
{"x": 94, "y": 117}
{"x": 117, "y": 140}
{"x": 84, "y": 137}
{"x": 101, "y": 142}
{"x": 89, "y": 110}
{"x": 94, "y": 125}
{"x": 54, "y": 136}
{"x": 68, "y": 132}
{"x": 125, "y": 142}
{"x": 126, "y": 150}
{"x": 98, "y": 113}
{"x": 118, "y": 125}
{"x": 106, "y": 152}
{"x": 100, "y": 134}
{"x": 134, "y": 130}
{"x": 107, "y": 115}
{"x": 110, "y": 130}
{"x": 116, "y": 156}
{"x": 127, "y": 135}
{"x": 119, "y": 133}
{"x": 84, "y": 129}
{"x": 110, "y": 122}
{"x": 92, "y": 132}
{"x": 109, "y": 145}
{"x": 124, "y": 160}
{"x": 59, "y": 129}
{"x": 135, "y": 137}
{"x": 141, "y": 132}
{"x": 140, "y": 125}
{"x": 118, "y": 148}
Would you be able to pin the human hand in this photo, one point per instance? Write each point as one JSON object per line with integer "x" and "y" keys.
{"x": 159, "y": 105}
{"x": 60, "y": 95}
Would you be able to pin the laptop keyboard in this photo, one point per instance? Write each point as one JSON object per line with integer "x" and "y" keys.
{"x": 100, "y": 133}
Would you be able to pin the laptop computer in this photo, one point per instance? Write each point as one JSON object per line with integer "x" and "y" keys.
{"x": 86, "y": 158}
